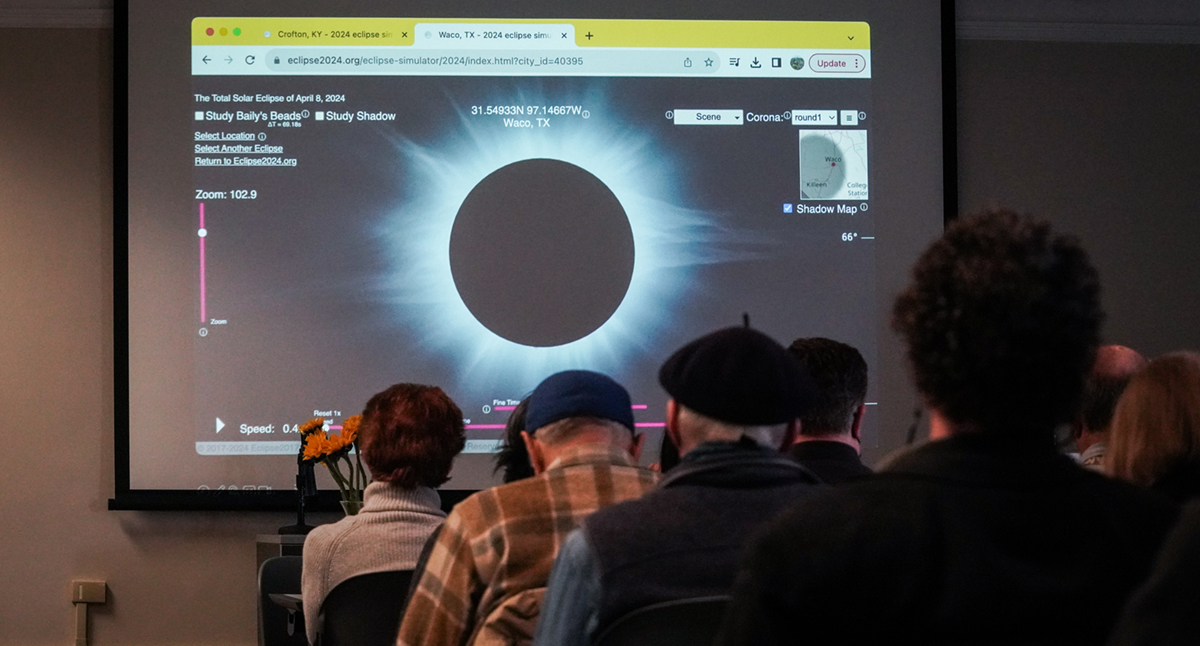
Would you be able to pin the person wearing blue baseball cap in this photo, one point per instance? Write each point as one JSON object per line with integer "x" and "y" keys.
{"x": 487, "y": 571}
{"x": 736, "y": 399}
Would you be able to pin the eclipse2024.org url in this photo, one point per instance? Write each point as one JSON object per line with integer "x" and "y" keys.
{"x": 435, "y": 61}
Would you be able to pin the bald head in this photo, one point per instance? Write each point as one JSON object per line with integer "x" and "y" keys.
{"x": 1117, "y": 361}
{"x": 1115, "y": 365}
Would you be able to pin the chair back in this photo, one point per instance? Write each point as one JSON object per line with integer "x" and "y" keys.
{"x": 365, "y": 610}
{"x": 277, "y": 626}
{"x": 683, "y": 622}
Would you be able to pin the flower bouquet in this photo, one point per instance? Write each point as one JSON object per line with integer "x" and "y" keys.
{"x": 318, "y": 446}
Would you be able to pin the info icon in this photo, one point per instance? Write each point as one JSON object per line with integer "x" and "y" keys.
{"x": 787, "y": 208}
{"x": 797, "y": 63}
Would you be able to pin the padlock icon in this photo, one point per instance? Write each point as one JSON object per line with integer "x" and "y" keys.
{"x": 276, "y": 60}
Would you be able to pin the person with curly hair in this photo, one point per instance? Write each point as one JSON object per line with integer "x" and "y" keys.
{"x": 409, "y": 436}
{"x": 986, "y": 534}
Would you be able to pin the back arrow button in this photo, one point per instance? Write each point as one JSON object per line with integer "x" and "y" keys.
{"x": 204, "y": 60}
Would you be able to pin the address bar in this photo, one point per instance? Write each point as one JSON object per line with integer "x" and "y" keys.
{"x": 412, "y": 61}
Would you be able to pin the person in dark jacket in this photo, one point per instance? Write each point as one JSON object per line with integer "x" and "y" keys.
{"x": 735, "y": 399}
{"x": 985, "y": 535}
{"x": 828, "y": 443}
{"x": 1163, "y": 610}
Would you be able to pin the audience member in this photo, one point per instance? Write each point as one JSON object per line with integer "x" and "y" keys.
{"x": 668, "y": 454}
{"x": 1155, "y": 439}
{"x": 828, "y": 443}
{"x": 735, "y": 396}
{"x": 512, "y": 458}
{"x": 1163, "y": 610}
{"x": 1115, "y": 365}
{"x": 409, "y": 435}
{"x": 986, "y": 534}
{"x": 487, "y": 571}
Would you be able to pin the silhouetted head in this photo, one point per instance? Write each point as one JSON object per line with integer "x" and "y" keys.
{"x": 840, "y": 373}
{"x": 1001, "y": 323}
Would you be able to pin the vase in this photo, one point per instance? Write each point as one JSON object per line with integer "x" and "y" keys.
{"x": 352, "y": 507}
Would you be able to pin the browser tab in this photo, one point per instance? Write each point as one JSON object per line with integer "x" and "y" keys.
{"x": 494, "y": 35}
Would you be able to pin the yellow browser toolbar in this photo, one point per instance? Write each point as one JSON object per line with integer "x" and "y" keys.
{"x": 393, "y": 32}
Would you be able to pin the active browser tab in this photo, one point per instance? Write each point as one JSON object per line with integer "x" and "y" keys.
{"x": 495, "y": 35}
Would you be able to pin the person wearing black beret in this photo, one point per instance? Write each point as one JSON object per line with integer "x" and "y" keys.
{"x": 736, "y": 396}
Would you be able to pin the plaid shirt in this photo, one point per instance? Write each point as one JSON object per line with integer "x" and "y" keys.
{"x": 487, "y": 571}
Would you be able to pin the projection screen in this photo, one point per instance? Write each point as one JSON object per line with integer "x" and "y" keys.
{"x": 317, "y": 200}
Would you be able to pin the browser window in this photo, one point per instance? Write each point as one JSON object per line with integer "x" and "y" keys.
{"x": 478, "y": 204}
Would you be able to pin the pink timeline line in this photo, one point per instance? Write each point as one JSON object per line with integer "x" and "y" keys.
{"x": 203, "y": 294}
{"x": 501, "y": 426}
{"x": 499, "y": 408}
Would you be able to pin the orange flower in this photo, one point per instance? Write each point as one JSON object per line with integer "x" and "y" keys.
{"x": 350, "y": 428}
{"x": 340, "y": 442}
{"x": 314, "y": 446}
{"x": 311, "y": 426}
{"x": 321, "y": 447}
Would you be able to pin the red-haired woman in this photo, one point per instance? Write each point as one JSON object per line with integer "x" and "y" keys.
{"x": 409, "y": 436}
{"x": 1155, "y": 435}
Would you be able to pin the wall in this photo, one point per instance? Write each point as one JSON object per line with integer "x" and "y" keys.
{"x": 1101, "y": 138}
{"x": 173, "y": 577}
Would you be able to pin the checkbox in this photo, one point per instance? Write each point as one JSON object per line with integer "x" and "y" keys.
{"x": 787, "y": 208}
{"x": 199, "y": 115}
{"x": 319, "y": 116}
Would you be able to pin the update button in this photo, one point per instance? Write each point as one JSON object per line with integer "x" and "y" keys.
{"x": 844, "y": 63}
{"x": 707, "y": 117}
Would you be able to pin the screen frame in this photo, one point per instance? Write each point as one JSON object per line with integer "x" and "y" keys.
{"x": 127, "y": 499}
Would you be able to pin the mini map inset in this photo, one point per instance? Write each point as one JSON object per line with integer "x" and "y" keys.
{"x": 833, "y": 165}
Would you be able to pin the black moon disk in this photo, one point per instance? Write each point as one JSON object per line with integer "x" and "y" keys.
{"x": 541, "y": 252}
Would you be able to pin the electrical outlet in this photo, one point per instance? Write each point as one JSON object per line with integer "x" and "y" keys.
{"x": 88, "y": 591}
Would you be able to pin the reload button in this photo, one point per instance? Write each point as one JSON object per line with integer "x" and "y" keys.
{"x": 844, "y": 63}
